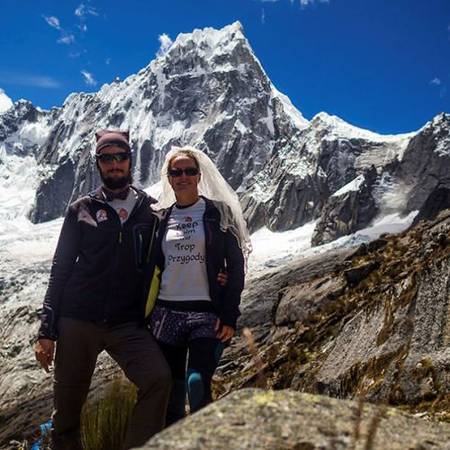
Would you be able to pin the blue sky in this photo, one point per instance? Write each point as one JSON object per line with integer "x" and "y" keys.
{"x": 378, "y": 64}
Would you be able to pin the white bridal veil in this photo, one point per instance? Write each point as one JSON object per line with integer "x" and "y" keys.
{"x": 212, "y": 185}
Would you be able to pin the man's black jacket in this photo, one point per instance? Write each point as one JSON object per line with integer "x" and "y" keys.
{"x": 97, "y": 271}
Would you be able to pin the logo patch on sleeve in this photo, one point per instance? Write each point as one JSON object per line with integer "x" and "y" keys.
{"x": 101, "y": 215}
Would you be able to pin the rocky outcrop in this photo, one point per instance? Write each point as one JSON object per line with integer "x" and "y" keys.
{"x": 297, "y": 183}
{"x": 374, "y": 322}
{"x": 349, "y": 209}
{"x": 21, "y": 128}
{"x": 293, "y": 200}
{"x": 272, "y": 420}
{"x": 53, "y": 192}
{"x": 426, "y": 161}
{"x": 300, "y": 182}
{"x": 437, "y": 201}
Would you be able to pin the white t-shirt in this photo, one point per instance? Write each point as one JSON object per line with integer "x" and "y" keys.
{"x": 123, "y": 208}
{"x": 184, "y": 276}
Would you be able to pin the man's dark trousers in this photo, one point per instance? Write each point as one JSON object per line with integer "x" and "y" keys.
{"x": 137, "y": 353}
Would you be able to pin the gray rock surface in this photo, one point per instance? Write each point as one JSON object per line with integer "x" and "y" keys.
{"x": 426, "y": 161}
{"x": 385, "y": 337}
{"x": 273, "y": 420}
{"x": 298, "y": 183}
{"x": 347, "y": 212}
{"x": 374, "y": 322}
{"x": 438, "y": 200}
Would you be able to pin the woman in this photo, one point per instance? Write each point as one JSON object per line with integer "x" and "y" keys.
{"x": 202, "y": 234}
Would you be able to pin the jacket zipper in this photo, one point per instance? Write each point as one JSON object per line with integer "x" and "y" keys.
{"x": 106, "y": 304}
{"x": 152, "y": 238}
{"x": 119, "y": 243}
{"x": 116, "y": 264}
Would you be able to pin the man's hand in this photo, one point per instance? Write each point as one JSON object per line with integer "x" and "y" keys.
{"x": 222, "y": 278}
{"x": 224, "y": 332}
{"x": 44, "y": 350}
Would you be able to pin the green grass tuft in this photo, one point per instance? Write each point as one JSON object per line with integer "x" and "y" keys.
{"x": 104, "y": 421}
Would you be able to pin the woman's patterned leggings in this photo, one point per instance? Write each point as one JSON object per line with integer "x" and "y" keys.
{"x": 187, "y": 335}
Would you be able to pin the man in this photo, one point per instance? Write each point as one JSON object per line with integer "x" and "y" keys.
{"x": 95, "y": 300}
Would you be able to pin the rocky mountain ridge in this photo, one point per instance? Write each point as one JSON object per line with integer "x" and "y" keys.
{"x": 210, "y": 90}
{"x": 312, "y": 176}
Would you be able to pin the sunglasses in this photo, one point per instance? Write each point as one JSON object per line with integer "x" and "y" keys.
{"x": 110, "y": 157}
{"x": 189, "y": 172}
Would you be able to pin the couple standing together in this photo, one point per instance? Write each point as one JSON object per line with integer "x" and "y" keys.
{"x": 114, "y": 256}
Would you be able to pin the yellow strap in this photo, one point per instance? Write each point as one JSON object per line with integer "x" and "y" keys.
{"x": 153, "y": 291}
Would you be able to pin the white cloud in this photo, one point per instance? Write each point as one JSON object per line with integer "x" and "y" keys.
{"x": 53, "y": 21}
{"x": 263, "y": 16}
{"x": 77, "y": 54}
{"x": 440, "y": 85}
{"x": 165, "y": 43}
{"x": 82, "y": 12}
{"x": 29, "y": 80}
{"x": 85, "y": 10}
{"x": 66, "y": 39}
{"x": 88, "y": 78}
{"x": 303, "y": 3}
{"x": 108, "y": 61}
{"x": 310, "y": 2}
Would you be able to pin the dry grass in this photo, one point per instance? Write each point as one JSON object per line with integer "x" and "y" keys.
{"x": 261, "y": 380}
{"x": 104, "y": 421}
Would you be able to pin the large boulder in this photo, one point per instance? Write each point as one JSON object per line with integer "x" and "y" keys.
{"x": 273, "y": 420}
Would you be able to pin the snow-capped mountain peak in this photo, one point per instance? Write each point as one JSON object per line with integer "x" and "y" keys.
{"x": 5, "y": 102}
{"x": 292, "y": 112}
{"x": 208, "y": 89}
{"x": 210, "y": 38}
{"x": 340, "y": 128}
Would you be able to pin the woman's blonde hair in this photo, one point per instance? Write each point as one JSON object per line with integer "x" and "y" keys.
{"x": 185, "y": 152}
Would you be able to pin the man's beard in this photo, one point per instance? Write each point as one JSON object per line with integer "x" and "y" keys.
{"x": 114, "y": 183}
